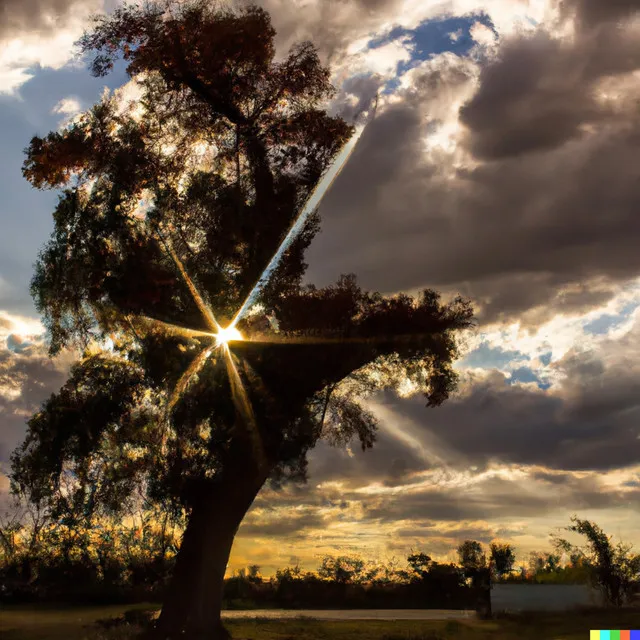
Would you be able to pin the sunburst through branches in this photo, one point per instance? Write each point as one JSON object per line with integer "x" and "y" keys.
{"x": 222, "y": 337}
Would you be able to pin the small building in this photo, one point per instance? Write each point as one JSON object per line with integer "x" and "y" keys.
{"x": 543, "y": 597}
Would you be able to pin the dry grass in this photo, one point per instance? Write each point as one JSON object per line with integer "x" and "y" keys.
{"x": 48, "y": 623}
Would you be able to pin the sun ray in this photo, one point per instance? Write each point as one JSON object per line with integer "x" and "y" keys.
{"x": 243, "y": 404}
{"x": 194, "y": 368}
{"x": 310, "y": 206}
{"x": 173, "y": 328}
{"x": 230, "y": 333}
{"x": 204, "y": 308}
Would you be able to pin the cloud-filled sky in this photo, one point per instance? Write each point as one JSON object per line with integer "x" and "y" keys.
{"x": 503, "y": 165}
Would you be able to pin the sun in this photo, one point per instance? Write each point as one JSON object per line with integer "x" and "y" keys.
{"x": 227, "y": 335}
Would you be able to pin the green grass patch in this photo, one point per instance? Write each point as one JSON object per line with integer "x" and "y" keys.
{"x": 75, "y": 623}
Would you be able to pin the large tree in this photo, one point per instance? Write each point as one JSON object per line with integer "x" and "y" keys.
{"x": 203, "y": 176}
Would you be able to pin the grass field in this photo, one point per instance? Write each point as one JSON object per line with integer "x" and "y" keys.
{"x": 22, "y": 623}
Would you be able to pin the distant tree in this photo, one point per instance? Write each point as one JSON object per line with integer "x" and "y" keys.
{"x": 543, "y": 562}
{"x": 471, "y": 556}
{"x": 552, "y": 562}
{"x": 447, "y": 577}
{"x": 209, "y": 169}
{"x": 614, "y": 569}
{"x": 253, "y": 573}
{"x": 473, "y": 561}
{"x": 419, "y": 563}
{"x": 502, "y": 558}
{"x": 342, "y": 569}
{"x": 536, "y": 563}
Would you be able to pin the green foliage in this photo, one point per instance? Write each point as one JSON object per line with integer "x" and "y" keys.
{"x": 138, "y": 193}
{"x": 614, "y": 569}
{"x": 81, "y": 559}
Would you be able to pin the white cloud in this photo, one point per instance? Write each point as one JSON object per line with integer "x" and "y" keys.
{"x": 384, "y": 60}
{"x": 11, "y": 323}
{"x": 564, "y": 332}
{"x": 69, "y": 106}
{"x": 482, "y": 34}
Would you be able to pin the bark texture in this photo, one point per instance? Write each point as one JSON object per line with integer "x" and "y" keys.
{"x": 194, "y": 600}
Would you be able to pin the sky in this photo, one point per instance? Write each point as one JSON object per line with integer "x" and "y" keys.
{"x": 502, "y": 165}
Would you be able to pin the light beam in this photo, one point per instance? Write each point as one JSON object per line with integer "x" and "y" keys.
{"x": 243, "y": 405}
{"x": 229, "y": 334}
{"x": 170, "y": 328}
{"x": 204, "y": 308}
{"x": 194, "y": 368}
{"x": 310, "y": 206}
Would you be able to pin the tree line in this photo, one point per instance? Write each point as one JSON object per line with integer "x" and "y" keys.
{"x": 75, "y": 560}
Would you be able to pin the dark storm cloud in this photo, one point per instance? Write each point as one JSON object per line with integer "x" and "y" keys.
{"x": 552, "y": 477}
{"x": 43, "y": 16}
{"x": 546, "y": 222}
{"x": 593, "y": 12}
{"x": 390, "y": 461}
{"x": 33, "y": 376}
{"x": 541, "y": 93}
{"x": 499, "y": 499}
{"x": 592, "y": 422}
{"x": 283, "y": 526}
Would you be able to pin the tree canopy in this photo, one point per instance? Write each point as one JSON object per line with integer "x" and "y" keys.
{"x": 173, "y": 204}
{"x": 219, "y": 154}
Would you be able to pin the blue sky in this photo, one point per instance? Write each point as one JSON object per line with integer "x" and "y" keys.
{"x": 433, "y": 37}
{"x": 26, "y": 219}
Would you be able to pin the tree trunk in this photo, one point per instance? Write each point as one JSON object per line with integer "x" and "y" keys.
{"x": 193, "y": 602}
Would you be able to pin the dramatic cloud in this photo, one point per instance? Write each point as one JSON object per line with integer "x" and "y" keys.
{"x": 434, "y": 511}
{"x": 543, "y": 92}
{"x": 589, "y": 13}
{"x": 333, "y": 25}
{"x": 501, "y": 460}
{"x": 38, "y": 33}
{"x": 27, "y": 377}
{"x": 525, "y": 202}
{"x": 587, "y": 420}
